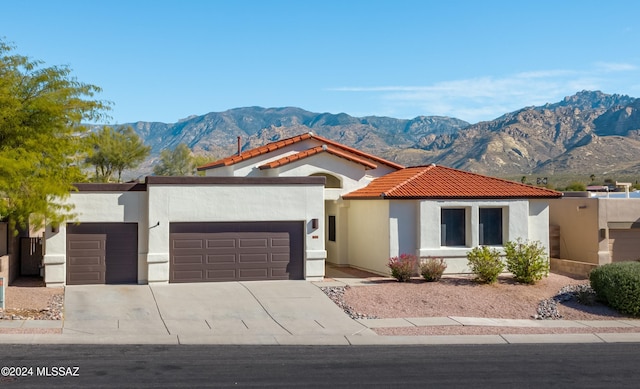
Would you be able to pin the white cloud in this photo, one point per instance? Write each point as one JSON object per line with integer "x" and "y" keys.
{"x": 615, "y": 67}
{"x": 485, "y": 98}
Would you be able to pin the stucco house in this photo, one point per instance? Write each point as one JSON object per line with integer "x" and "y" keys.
{"x": 441, "y": 212}
{"x": 280, "y": 211}
{"x": 594, "y": 231}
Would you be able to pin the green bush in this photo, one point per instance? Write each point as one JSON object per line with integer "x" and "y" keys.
{"x": 432, "y": 268}
{"x": 403, "y": 267}
{"x": 485, "y": 263}
{"x": 528, "y": 262}
{"x": 618, "y": 285}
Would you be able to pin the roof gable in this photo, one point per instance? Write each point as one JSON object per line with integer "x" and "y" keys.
{"x": 336, "y": 148}
{"x": 314, "y": 151}
{"x": 439, "y": 182}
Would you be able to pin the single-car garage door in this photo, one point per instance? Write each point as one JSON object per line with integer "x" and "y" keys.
{"x": 624, "y": 245}
{"x": 102, "y": 253}
{"x": 236, "y": 251}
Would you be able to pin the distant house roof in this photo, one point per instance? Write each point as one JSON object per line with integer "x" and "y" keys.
{"x": 335, "y": 149}
{"x": 439, "y": 182}
{"x": 316, "y": 150}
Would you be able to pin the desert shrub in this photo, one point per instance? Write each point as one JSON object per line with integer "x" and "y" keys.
{"x": 528, "y": 262}
{"x": 618, "y": 285}
{"x": 403, "y": 266}
{"x": 432, "y": 268}
{"x": 485, "y": 263}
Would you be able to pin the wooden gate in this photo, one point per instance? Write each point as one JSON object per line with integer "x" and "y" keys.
{"x": 30, "y": 256}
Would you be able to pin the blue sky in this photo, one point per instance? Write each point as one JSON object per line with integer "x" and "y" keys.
{"x": 474, "y": 60}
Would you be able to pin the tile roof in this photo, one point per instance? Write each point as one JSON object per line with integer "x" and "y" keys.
{"x": 440, "y": 182}
{"x": 316, "y": 150}
{"x": 337, "y": 147}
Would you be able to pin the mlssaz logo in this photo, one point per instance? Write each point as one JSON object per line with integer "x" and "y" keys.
{"x": 58, "y": 371}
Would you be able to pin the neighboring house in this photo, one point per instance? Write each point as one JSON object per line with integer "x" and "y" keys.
{"x": 595, "y": 231}
{"x": 280, "y": 211}
{"x": 441, "y": 212}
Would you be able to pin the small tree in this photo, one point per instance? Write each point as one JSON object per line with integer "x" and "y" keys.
{"x": 41, "y": 111}
{"x": 177, "y": 162}
{"x": 113, "y": 150}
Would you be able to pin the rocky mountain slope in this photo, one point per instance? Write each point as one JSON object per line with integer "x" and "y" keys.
{"x": 589, "y": 132}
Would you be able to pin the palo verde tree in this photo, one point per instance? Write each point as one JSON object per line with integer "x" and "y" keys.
{"x": 111, "y": 151}
{"x": 177, "y": 162}
{"x": 41, "y": 109}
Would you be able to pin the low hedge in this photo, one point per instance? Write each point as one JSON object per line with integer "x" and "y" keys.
{"x": 618, "y": 285}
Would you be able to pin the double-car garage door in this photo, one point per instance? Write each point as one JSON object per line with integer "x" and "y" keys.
{"x": 236, "y": 251}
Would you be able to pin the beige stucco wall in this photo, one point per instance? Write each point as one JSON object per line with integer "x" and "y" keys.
{"x": 97, "y": 207}
{"x": 585, "y": 223}
{"x": 228, "y": 203}
{"x": 162, "y": 204}
{"x": 579, "y": 231}
{"x": 368, "y": 235}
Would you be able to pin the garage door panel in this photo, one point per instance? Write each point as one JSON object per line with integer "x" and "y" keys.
{"x": 624, "y": 245}
{"x": 221, "y": 275}
{"x": 189, "y": 274}
{"x": 87, "y": 245}
{"x": 86, "y": 278}
{"x": 99, "y": 253}
{"x": 221, "y": 259}
{"x": 280, "y": 242}
{"x": 86, "y": 261}
{"x": 221, "y": 243}
{"x": 253, "y": 274}
{"x": 253, "y": 243}
{"x": 253, "y": 258}
{"x": 189, "y": 259}
{"x": 284, "y": 258}
{"x": 240, "y": 251}
{"x": 188, "y": 244}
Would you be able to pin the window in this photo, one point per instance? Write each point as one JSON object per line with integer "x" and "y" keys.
{"x": 452, "y": 227}
{"x": 332, "y": 228}
{"x": 490, "y": 228}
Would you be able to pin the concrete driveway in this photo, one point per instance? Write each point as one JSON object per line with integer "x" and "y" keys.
{"x": 231, "y": 310}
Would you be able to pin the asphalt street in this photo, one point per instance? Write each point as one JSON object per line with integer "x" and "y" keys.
{"x": 451, "y": 366}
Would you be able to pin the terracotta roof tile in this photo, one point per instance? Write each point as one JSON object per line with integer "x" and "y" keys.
{"x": 316, "y": 150}
{"x": 439, "y": 182}
{"x": 289, "y": 141}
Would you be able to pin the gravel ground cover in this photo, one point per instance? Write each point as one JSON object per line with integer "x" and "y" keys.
{"x": 28, "y": 299}
{"x": 554, "y": 297}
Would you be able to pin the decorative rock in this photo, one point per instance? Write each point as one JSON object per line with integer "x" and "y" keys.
{"x": 336, "y": 294}
{"x": 548, "y": 309}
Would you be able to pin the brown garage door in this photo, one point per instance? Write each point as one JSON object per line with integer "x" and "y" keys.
{"x": 206, "y": 252}
{"x": 624, "y": 245}
{"x": 102, "y": 253}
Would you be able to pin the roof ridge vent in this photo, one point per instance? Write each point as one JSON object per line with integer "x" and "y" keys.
{"x": 325, "y": 147}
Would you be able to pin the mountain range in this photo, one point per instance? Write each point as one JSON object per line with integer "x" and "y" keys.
{"x": 587, "y": 133}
